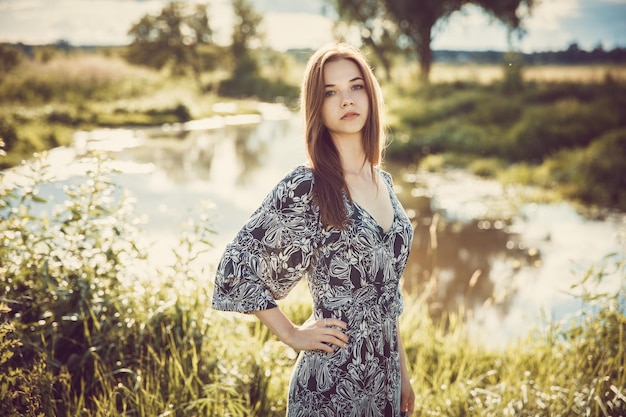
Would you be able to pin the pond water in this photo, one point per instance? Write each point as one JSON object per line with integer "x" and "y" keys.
{"x": 478, "y": 246}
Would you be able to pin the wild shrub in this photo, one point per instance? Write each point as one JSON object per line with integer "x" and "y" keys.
{"x": 247, "y": 86}
{"x": 513, "y": 73}
{"x": 497, "y": 110}
{"x": 566, "y": 124}
{"x": 542, "y": 130}
{"x": 599, "y": 176}
{"x": 26, "y": 384}
{"x": 10, "y": 57}
{"x": 486, "y": 167}
{"x": 64, "y": 273}
{"x": 112, "y": 333}
{"x": 528, "y": 126}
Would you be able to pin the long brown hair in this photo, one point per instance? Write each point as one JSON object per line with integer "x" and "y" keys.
{"x": 324, "y": 159}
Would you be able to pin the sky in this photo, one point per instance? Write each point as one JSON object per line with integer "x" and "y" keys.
{"x": 554, "y": 24}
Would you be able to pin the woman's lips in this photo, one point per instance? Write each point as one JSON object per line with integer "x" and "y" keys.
{"x": 350, "y": 115}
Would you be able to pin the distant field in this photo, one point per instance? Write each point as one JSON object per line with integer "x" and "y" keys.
{"x": 552, "y": 73}
{"x": 487, "y": 73}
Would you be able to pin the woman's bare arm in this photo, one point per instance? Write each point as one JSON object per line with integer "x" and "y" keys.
{"x": 323, "y": 335}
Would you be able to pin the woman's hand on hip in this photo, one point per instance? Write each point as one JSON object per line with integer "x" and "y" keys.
{"x": 325, "y": 335}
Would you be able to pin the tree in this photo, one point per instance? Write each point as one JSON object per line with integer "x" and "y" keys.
{"x": 246, "y": 35}
{"x": 246, "y": 30}
{"x": 172, "y": 38}
{"x": 418, "y": 20}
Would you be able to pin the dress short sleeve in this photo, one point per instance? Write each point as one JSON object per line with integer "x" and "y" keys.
{"x": 273, "y": 250}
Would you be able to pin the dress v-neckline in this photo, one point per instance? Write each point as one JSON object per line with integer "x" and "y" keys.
{"x": 393, "y": 207}
{"x": 393, "y": 220}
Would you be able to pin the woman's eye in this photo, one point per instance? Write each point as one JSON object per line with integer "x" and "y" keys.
{"x": 358, "y": 87}
{"x": 329, "y": 93}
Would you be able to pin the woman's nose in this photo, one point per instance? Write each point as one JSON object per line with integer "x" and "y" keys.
{"x": 347, "y": 101}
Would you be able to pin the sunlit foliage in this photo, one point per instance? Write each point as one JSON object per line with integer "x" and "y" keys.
{"x": 109, "y": 332}
{"x": 568, "y": 135}
{"x": 174, "y": 38}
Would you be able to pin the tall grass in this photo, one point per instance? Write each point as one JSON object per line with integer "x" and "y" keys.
{"x": 112, "y": 334}
{"x": 89, "y": 327}
{"x": 74, "y": 78}
{"x": 571, "y": 367}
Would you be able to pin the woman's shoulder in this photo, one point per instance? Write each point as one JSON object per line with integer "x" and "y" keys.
{"x": 300, "y": 174}
{"x": 302, "y": 170}
{"x": 296, "y": 183}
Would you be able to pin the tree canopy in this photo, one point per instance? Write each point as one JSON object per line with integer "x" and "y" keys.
{"x": 172, "y": 38}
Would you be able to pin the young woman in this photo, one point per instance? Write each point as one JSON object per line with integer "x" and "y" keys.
{"x": 337, "y": 222}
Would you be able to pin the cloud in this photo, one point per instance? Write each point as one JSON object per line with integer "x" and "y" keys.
{"x": 559, "y": 23}
{"x": 553, "y": 25}
{"x": 79, "y": 22}
{"x": 470, "y": 29}
{"x": 297, "y": 30}
{"x": 544, "y": 28}
{"x": 548, "y": 15}
{"x": 106, "y": 22}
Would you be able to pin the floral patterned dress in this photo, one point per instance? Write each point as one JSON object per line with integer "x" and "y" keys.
{"x": 353, "y": 275}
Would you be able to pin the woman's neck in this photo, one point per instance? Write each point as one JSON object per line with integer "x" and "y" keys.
{"x": 363, "y": 170}
{"x": 353, "y": 158}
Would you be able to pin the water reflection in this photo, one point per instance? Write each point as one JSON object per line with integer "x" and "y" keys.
{"x": 454, "y": 259}
{"x": 190, "y": 155}
{"x": 483, "y": 249}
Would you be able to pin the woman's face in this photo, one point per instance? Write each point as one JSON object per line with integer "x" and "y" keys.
{"x": 346, "y": 104}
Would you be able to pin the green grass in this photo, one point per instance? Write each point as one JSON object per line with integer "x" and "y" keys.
{"x": 563, "y": 136}
{"x": 43, "y": 101}
{"x": 74, "y": 78}
{"x": 91, "y": 328}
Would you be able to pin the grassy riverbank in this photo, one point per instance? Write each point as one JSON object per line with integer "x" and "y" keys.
{"x": 91, "y": 328}
{"x": 567, "y": 137}
{"x": 43, "y": 102}
{"x": 529, "y": 126}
